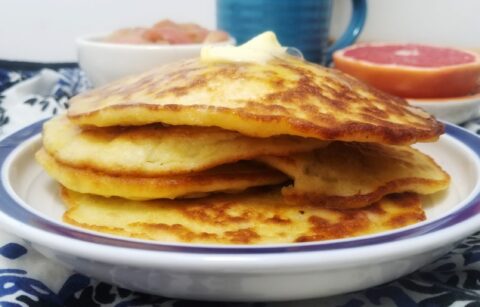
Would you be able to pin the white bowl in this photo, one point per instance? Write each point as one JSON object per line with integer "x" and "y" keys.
{"x": 31, "y": 209}
{"x": 104, "y": 62}
{"x": 456, "y": 110}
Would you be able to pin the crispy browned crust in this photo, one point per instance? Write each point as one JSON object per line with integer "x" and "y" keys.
{"x": 388, "y": 133}
{"x": 252, "y": 217}
{"x": 355, "y": 219}
{"x": 226, "y": 178}
{"x": 294, "y": 97}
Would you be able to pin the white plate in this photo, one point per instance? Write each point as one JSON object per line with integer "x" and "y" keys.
{"x": 456, "y": 110}
{"x": 31, "y": 209}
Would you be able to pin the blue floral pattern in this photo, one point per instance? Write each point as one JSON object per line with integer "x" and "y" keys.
{"x": 454, "y": 278}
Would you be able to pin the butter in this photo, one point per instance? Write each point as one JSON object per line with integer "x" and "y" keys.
{"x": 259, "y": 49}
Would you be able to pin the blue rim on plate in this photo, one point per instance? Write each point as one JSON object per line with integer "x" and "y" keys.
{"x": 10, "y": 207}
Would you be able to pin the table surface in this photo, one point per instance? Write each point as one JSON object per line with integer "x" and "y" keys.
{"x": 29, "y": 279}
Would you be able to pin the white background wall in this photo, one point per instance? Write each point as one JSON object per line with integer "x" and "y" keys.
{"x": 44, "y": 30}
{"x": 441, "y": 22}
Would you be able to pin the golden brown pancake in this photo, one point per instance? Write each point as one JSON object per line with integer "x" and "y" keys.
{"x": 353, "y": 175}
{"x": 254, "y": 217}
{"x": 284, "y": 96}
{"x": 225, "y": 178}
{"x": 158, "y": 150}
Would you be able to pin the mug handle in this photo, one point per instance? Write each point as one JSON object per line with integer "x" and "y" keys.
{"x": 357, "y": 21}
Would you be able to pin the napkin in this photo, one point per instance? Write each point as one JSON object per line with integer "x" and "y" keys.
{"x": 29, "y": 279}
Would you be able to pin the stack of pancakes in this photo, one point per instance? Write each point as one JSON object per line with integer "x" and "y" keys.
{"x": 241, "y": 153}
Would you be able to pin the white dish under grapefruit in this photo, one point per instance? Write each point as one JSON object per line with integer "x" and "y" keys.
{"x": 457, "y": 110}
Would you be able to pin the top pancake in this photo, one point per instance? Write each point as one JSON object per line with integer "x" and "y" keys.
{"x": 284, "y": 96}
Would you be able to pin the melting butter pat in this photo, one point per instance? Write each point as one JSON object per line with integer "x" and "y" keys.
{"x": 259, "y": 49}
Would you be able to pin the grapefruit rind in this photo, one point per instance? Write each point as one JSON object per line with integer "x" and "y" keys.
{"x": 411, "y": 81}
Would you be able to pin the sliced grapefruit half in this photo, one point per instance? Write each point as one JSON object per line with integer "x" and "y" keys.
{"x": 412, "y": 70}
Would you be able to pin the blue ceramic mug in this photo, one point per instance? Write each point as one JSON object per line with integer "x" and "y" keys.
{"x": 303, "y": 24}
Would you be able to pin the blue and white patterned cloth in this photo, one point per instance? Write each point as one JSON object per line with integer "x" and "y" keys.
{"x": 29, "y": 279}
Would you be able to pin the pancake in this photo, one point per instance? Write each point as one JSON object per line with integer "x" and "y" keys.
{"x": 155, "y": 150}
{"x": 254, "y": 217}
{"x": 225, "y": 178}
{"x": 283, "y": 96}
{"x": 352, "y": 175}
